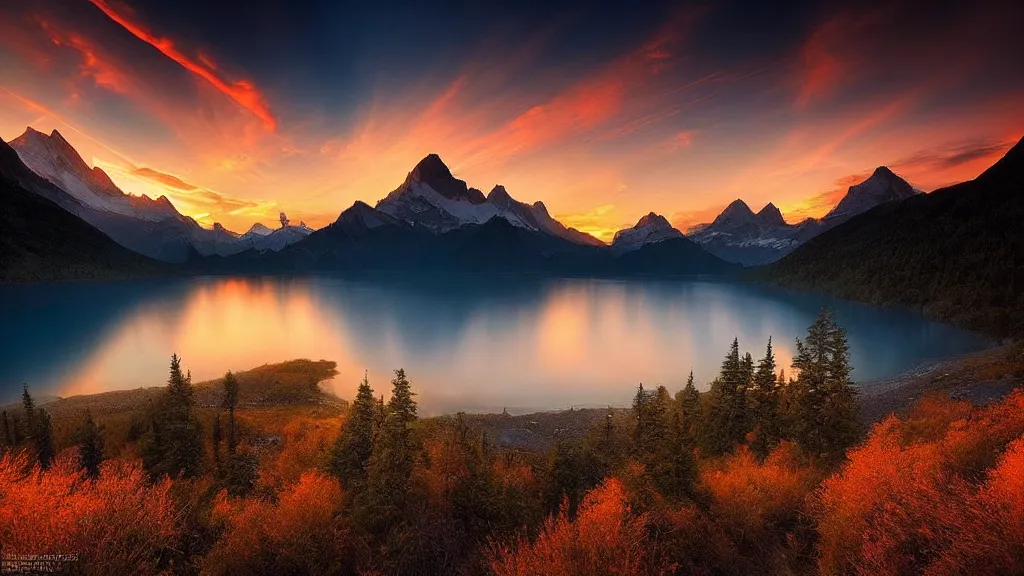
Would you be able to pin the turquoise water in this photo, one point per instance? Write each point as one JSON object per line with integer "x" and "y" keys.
{"x": 475, "y": 343}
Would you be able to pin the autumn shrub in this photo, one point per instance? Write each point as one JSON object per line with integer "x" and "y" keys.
{"x": 606, "y": 537}
{"x": 299, "y": 534}
{"x": 305, "y": 444}
{"x": 116, "y": 524}
{"x": 912, "y": 502}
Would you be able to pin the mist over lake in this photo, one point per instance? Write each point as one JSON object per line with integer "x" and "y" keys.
{"x": 468, "y": 342}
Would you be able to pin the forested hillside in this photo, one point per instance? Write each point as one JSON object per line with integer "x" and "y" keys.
{"x": 957, "y": 254}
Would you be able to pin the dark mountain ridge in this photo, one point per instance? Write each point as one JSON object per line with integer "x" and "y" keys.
{"x": 956, "y": 254}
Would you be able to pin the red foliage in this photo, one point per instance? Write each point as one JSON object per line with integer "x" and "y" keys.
{"x": 117, "y": 524}
{"x": 300, "y": 534}
{"x": 605, "y": 538}
{"x": 910, "y": 501}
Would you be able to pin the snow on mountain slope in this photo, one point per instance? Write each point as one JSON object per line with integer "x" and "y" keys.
{"x": 738, "y": 235}
{"x": 649, "y": 229}
{"x": 53, "y": 158}
{"x": 257, "y": 229}
{"x": 741, "y": 236}
{"x": 150, "y": 227}
{"x": 881, "y": 187}
{"x": 432, "y": 197}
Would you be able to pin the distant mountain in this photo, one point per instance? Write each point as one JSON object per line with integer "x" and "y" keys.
{"x": 365, "y": 238}
{"x": 41, "y": 241}
{"x": 881, "y": 187}
{"x": 672, "y": 256}
{"x": 649, "y": 229}
{"x": 257, "y": 229}
{"x": 277, "y": 239}
{"x": 956, "y": 253}
{"x": 431, "y": 197}
{"x": 150, "y": 227}
{"x": 739, "y": 235}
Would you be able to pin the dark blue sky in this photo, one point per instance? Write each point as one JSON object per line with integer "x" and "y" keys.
{"x": 604, "y": 110}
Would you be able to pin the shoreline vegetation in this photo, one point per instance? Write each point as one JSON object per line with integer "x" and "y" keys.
{"x": 262, "y": 472}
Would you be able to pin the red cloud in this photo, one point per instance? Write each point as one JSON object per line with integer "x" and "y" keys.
{"x": 241, "y": 91}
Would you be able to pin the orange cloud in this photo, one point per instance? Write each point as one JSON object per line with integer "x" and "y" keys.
{"x": 164, "y": 179}
{"x": 243, "y": 92}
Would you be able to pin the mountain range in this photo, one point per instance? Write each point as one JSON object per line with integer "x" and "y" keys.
{"x": 741, "y": 236}
{"x": 43, "y": 241}
{"x": 954, "y": 253}
{"x": 150, "y": 227}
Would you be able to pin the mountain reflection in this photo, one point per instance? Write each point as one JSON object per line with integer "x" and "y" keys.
{"x": 468, "y": 342}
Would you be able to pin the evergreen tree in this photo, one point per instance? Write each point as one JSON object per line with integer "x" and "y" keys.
{"x": 28, "y": 408}
{"x": 824, "y": 406}
{"x": 174, "y": 444}
{"x": 402, "y": 404}
{"x": 675, "y": 470}
{"x": 90, "y": 447}
{"x": 727, "y": 422}
{"x": 354, "y": 445}
{"x": 229, "y": 403}
{"x": 43, "y": 439}
{"x": 391, "y": 462}
{"x": 764, "y": 405}
{"x": 8, "y": 435}
{"x": 688, "y": 401}
{"x": 217, "y": 440}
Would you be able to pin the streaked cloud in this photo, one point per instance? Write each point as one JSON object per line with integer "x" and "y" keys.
{"x": 241, "y": 91}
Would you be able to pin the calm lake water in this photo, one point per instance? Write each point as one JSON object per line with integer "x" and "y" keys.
{"x": 474, "y": 343}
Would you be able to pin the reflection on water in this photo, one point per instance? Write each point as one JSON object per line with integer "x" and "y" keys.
{"x": 467, "y": 342}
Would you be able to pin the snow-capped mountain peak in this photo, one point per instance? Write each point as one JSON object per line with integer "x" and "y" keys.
{"x": 433, "y": 172}
{"x": 258, "y": 229}
{"x": 881, "y": 187}
{"x": 649, "y": 229}
{"x": 54, "y": 158}
{"x": 433, "y": 198}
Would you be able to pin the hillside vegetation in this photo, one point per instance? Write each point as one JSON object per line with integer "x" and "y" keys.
{"x": 956, "y": 254}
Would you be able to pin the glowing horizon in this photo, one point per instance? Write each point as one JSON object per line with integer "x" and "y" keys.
{"x": 673, "y": 110}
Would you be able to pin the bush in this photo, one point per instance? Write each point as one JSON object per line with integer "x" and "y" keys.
{"x": 117, "y": 524}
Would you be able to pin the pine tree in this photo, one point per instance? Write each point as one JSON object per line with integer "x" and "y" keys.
{"x": 824, "y": 407}
{"x": 764, "y": 405}
{"x": 727, "y": 422}
{"x": 402, "y": 404}
{"x": 90, "y": 447}
{"x": 688, "y": 401}
{"x": 43, "y": 439}
{"x": 354, "y": 445}
{"x": 230, "y": 402}
{"x": 217, "y": 439}
{"x": 8, "y": 436}
{"x": 391, "y": 461}
{"x": 28, "y": 408}
{"x": 174, "y": 444}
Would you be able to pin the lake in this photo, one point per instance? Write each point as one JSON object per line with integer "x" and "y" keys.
{"x": 473, "y": 343}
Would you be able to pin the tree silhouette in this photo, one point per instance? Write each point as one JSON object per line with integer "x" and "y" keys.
{"x": 354, "y": 445}
{"x": 824, "y": 401}
{"x": 174, "y": 444}
{"x": 90, "y": 446}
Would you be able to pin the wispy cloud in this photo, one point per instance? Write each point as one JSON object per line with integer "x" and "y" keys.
{"x": 242, "y": 91}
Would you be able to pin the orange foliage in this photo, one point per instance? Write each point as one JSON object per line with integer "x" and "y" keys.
{"x": 904, "y": 505}
{"x": 605, "y": 538}
{"x": 306, "y": 445}
{"x": 301, "y": 534}
{"x": 751, "y": 497}
{"x": 117, "y": 524}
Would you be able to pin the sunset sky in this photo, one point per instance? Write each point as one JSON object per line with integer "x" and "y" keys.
{"x": 605, "y": 111}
